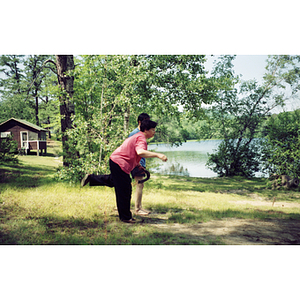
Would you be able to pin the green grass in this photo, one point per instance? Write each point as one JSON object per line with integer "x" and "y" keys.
{"x": 35, "y": 209}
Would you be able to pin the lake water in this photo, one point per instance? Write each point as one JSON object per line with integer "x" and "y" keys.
{"x": 189, "y": 159}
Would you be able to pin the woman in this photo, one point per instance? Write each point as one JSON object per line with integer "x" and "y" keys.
{"x": 122, "y": 161}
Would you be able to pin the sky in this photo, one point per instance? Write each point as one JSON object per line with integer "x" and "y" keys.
{"x": 246, "y": 66}
{"x": 253, "y": 67}
{"x": 249, "y": 66}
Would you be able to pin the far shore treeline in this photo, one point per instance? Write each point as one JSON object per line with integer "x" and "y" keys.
{"x": 91, "y": 102}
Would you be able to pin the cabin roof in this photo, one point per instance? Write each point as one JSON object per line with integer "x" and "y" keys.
{"x": 25, "y": 123}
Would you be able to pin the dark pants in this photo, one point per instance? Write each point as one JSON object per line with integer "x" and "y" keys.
{"x": 122, "y": 184}
{"x": 96, "y": 180}
{"x": 123, "y": 190}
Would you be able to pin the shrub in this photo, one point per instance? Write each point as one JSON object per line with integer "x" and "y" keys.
{"x": 8, "y": 149}
{"x": 281, "y": 153}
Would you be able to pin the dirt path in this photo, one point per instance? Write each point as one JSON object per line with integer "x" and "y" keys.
{"x": 241, "y": 231}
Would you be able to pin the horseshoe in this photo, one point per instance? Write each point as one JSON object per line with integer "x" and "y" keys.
{"x": 147, "y": 178}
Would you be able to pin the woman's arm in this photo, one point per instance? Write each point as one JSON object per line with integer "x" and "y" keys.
{"x": 148, "y": 154}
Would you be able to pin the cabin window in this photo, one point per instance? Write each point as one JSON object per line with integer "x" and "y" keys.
{"x": 33, "y": 136}
{"x": 24, "y": 139}
{"x": 43, "y": 136}
{"x": 5, "y": 134}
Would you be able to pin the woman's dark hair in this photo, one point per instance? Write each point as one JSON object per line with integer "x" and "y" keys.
{"x": 147, "y": 125}
{"x": 142, "y": 117}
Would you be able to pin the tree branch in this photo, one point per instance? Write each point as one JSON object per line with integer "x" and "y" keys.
{"x": 39, "y": 71}
{"x": 50, "y": 61}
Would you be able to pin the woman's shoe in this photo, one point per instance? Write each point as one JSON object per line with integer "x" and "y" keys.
{"x": 142, "y": 212}
{"x": 129, "y": 221}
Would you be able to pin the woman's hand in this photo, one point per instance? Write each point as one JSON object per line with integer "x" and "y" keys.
{"x": 162, "y": 157}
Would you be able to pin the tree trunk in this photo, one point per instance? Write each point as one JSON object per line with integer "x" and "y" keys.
{"x": 35, "y": 95}
{"x": 64, "y": 64}
{"x": 126, "y": 120}
{"x": 48, "y": 119}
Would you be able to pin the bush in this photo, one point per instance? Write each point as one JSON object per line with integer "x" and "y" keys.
{"x": 235, "y": 159}
{"x": 83, "y": 165}
{"x": 281, "y": 151}
{"x": 8, "y": 149}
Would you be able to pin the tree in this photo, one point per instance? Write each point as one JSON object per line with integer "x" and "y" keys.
{"x": 111, "y": 91}
{"x": 173, "y": 83}
{"x": 25, "y": 85}
{"x": 241, "y": 114}
{"x": 12, "y": 90}
{"x": 35, "y": 77}
{"x": 177, "y": 80}
{"x": 281, "y": 145}
{"x": 8, "y": 149}
{"x": 64, "y": 67}
{"x": 10, "y": 66}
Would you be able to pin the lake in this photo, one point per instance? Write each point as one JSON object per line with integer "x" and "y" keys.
{"x": 189, "y": 159}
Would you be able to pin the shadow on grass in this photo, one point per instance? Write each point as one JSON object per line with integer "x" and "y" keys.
{"x": 191, "y": 215}
{"x": 217, "y": 184}
{"x": 49, "y": 230}
{"x": 48, "y": 154}
{"x": 23, "y": 228}
{"x": 224, "y": 185}
{"x": 19, "y": 175}
{"x": 60, "y": 231}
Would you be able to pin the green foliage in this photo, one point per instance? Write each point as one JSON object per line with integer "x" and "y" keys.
{"x": 175, "y": 80}
{"x": 235, "y": 158}
{"x": 27, "y": 89}
{"x": 88, "y": 139}
{"x": 100, "y": 98}
{"x": 8, "y": 149}
{"x": 177, "y": 130}
{"x": 11, "y": 89}
{"x": 242, "y": 114}
{"x": 281, "y": 154}
{"x": 238, "y": 116}
{"x": 110, "y": 89}
{"x": 171, "y": 131}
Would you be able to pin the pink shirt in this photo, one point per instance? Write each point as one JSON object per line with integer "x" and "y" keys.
{"x": 126, "y": 155}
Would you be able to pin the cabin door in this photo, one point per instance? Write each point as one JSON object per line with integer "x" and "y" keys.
{"x": 24, "y": 139}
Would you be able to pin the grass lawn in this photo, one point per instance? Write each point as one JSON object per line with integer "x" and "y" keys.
{"x": 35, "y": 209}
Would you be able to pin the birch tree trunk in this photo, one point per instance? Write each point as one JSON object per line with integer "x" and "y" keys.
{"x": 126, "y": 120}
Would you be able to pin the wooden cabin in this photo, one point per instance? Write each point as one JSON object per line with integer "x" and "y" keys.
{"x": 28, "y": 136}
